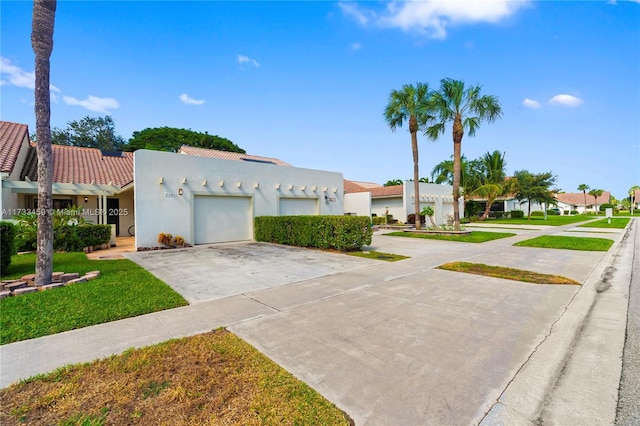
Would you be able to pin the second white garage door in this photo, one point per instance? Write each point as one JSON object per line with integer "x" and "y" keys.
{"x": 220, "y": 219}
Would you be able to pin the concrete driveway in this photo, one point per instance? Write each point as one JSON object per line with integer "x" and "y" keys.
{"x": 390, "y": 343}
{"x": 210, "y": 272}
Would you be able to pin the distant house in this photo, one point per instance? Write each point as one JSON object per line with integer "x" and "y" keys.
{"x": 636, "y": 199}
{"x": 575, "y": 201}
{"x": 367, "y": 199}
{"x": 101, "y": 182}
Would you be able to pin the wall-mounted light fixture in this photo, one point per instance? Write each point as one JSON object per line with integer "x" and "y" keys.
{"x": 160, "y": 180}
{"x": 326, "y": 199}
{"x": 86, "y": 199}
{"x": 204, "y": 182}
{"x": 184, "y": 180}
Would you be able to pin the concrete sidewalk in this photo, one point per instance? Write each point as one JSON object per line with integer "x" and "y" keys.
{"x": 399, "y": 343}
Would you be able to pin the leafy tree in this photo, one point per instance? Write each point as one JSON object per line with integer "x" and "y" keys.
{"x": 584, "y": 188}
{"x": 171, "y": 139}
{"x": 42, "y": 22}
{"x": 491, "y": 178}
{"x": 465, "y": 108}
{"x": 411, "y": 103}
{"x": 90, "y": 132}
{"x": 532, "y": 187}
{"x": 595, "y": 193}
{"x": 393, "y": 182}
{"x": 443, "y": 173}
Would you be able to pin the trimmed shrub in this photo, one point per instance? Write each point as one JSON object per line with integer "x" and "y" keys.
{"x": 8, "y": 233}
{"x": 605, "y": 206}
{"x": 516, "y": 214}
{"x": 378, "y": 220}
{"x": 343, "y": 233}
{"x": 574, "y": 212}
{"x": 552, "y": 212}
{"x": 537, "y": 213}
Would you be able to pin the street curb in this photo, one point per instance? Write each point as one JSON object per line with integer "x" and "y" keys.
{"x": 522, "y": 400}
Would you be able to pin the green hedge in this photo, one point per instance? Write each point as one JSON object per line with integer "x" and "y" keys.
{"x": 7, "y": 244}
{"x": 537, "y": 213}
{"x": 343, "y": 233}
{"x": 377, "y": 220}
{"x": 516, "y": 214}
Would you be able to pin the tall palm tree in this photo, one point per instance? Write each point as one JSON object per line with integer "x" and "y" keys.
{"x": 584, "y": 188}
{"x": 411, "y": 104}
{"x": 466, "y": 109}
{"x": 492, "y": 179}
{"x": 595, "y": 193}
{"x": 42, "y": 43}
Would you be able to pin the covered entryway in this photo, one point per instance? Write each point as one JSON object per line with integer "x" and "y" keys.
{"x": 219, "y": 219}
{"x": 298, "y": 206}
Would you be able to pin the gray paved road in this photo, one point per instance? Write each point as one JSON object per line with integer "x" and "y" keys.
{"x": 629, "y": 397}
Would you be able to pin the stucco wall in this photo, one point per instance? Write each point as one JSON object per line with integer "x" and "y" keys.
{"x": 159, "y": 207}
{"x": 438, "y": 197}
{"x": 358, "y": 203}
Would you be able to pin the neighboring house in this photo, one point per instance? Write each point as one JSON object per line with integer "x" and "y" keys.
{"x": 636, "y": 199}
{"x": 100, "y": 182}
{"x": 398, "y": 200}
{"x": 575, "y": 201}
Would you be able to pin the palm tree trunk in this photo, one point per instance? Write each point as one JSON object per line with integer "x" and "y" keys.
{"x": 585, "y": 201}
{"x": 42, "y": 43}
{"x": 416, "y": 182}
{"x": 487, "y": 209}
{"x": 458, "y": 132}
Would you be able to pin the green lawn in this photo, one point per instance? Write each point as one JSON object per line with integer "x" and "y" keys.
{"x": 539, "y": 220}
{"x": 376, "y": 255}
{"x": 616, "y": 222}
{"x": 568, "y": 243}
{"x": 123, "y": 290}
{"x": 474, "y": 237}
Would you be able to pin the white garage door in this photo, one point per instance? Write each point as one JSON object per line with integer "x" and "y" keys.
{"x": 298, "y": 206}
{"x": 222, "y": 219}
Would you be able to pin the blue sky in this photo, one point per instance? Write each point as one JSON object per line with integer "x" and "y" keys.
{"x": 307, "y": 82}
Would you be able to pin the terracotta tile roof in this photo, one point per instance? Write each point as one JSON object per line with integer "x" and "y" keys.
{"x": 386, "y": 191}
{"x": 225, "y": 155}
{"x": 84, "y": 165}
{"x": 577, "y": 198}
{"x": 351, "y": 186}
{"x": 11, "y": 137}
{"x": 367, "y": 185}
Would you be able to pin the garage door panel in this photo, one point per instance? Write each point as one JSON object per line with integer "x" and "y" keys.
{"x": 298, "y": 206}
{"x": 222, "y": 219}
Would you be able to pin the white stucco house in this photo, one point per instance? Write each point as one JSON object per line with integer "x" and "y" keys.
{"x": 580, "y": 202}
{"x": 206, "y": 199}
{"x": 367, "y": 199}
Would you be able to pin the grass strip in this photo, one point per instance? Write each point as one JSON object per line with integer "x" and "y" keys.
{"x": 376, "y": 255}
{"x": 123, "y": 290}
{"x": 474, "y": 237}
{"x": 568, "y": 243}
{"x": 552, "y": 220}
{"x": 507, "y": 273}
{"x": 616, "y": 223}
{"x": 212, "y": 378}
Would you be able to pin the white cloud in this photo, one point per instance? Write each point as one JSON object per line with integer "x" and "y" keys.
{"x": 433, "y": 18}
{"x": 242, "y": 59}
{"x": 362, "y": 16}
{"x": 13, "y": 75}
{"x": 93, "y": 103}
{"x": 355, "y": 46}
{"x": 565, "y": 100}
{"x": 186, "y": 99}
{"x": 530, "y": 103}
